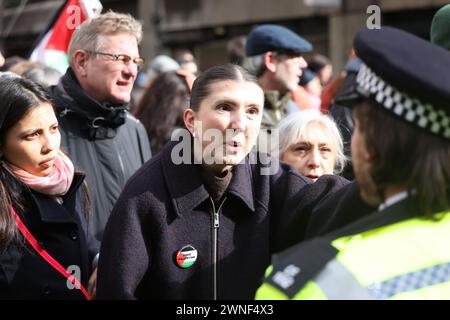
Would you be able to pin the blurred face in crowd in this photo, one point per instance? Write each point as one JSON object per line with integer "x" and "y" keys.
{"x": 325, "y": 74}
{"x": 361, "y": 159}
{"x": 105, "y": 78}
{"x": 288, "y": 69}
{"x": 314, "y": 87}
{"x": 188, "y": 63}
{"x": 33, "y": 142}
{"x": 313, "y": 155}
{"x": 2, "y": 60}
{"x": 227, "y": 123}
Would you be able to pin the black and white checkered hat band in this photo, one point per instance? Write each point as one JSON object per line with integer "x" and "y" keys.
{"x": 412, "y": 110}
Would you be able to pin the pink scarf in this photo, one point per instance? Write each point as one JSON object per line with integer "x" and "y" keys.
{"x": 56, "y": 183}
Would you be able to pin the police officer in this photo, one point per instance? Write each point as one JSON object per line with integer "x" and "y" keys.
{"x": 401, "y": 156}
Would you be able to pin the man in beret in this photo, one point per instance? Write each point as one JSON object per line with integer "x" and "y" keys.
{"x": 440, "y": 27}
{"x": 274, "y": 55}
{"x": 401, "y": 157}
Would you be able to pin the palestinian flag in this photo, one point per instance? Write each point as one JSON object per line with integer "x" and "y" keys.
{"x": 186, "y": 257}
{"x": 51, "y": 47}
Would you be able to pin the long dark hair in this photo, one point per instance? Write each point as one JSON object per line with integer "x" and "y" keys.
{"x": 18, "y": 97}
{"x": 406, "y": 156}
{"x": 161, "y": 108}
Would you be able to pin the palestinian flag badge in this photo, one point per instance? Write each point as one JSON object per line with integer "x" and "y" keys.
{"x": 186, "y": 256}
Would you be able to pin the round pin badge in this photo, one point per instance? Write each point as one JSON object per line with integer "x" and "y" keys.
{"x": 186, "y": 256}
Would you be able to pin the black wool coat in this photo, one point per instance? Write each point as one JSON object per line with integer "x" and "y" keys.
{"x": 61, "y": 230}
{"x": 338, "y": 209}
{"x": 165, "y": 207}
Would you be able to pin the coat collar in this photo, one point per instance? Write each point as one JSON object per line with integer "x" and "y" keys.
{"x": 49, "y": 210}
{"x": 189, "y": 192}
{"x": 273, "y": 100}
{"x": 241, "y": 184}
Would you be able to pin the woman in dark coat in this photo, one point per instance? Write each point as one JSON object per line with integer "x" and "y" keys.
{"x": 42, "y": 205}
{"x": 202, "y": 218}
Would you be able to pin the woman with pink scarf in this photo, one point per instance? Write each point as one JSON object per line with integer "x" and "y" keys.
{"x": 44, "y": 204}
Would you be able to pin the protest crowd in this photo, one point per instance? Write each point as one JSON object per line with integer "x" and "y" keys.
{"x": 268, "y": 176}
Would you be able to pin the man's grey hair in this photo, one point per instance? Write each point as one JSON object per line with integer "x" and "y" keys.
{"x": 255, "y": 65}
{"x": 88, "y": 35}
{"x": 294, "y": 126}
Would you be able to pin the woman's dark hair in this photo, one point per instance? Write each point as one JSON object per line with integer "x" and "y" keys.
{"x": 161, "y": 108}
{"x": 236, "y": 50}
{"x": 18, "y": 97}
{"x": 201, "y": 86}
{"x": 406, "y": 156}
{"x": 317, "y": 62}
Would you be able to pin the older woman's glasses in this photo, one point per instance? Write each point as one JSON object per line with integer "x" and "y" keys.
{"x": 123, "y": 59}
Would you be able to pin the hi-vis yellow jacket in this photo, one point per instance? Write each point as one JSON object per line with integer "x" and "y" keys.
{"x": 390, "y": 254}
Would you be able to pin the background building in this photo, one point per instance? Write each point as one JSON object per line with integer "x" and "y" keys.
{"x": 205, "y": 26}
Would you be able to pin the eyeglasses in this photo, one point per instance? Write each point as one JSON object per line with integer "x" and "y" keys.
{"x": 121, "y": 58}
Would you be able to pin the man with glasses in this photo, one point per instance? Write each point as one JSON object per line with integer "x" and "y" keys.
{"x": 99, "y": 134}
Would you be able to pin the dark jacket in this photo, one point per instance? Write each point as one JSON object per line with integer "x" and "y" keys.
{"x": 276, "y": 108}
{"x": 318, "y": 208}
{"x": 166, "y": 206}
{"x": 60, "y": 230}
{"x": 106, "y": 142}
{"x": 336, "y": 210}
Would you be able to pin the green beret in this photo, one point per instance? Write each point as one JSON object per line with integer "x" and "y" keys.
{"x": 440, "y": 27}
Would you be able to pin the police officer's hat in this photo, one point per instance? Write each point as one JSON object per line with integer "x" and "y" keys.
{"x": 271, "y": 37}
{"x": 407, "y": 76}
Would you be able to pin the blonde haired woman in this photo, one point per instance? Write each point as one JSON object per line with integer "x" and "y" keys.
{"x": 312, "y": 144}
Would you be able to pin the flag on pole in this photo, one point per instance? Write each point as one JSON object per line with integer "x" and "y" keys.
{"x": 51, "y": 47}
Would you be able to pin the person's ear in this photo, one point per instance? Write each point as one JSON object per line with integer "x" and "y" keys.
{"x": 79, "y": 62}
{"x": 189, "y": 119}
{"x": 270, "y": 61}
{"x": 369, "y": 156}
